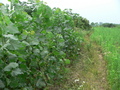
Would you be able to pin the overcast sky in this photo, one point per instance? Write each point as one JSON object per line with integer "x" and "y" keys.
{"x": 93, "y": 10}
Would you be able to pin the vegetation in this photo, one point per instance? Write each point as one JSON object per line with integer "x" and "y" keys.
{"x": 89, "y": 71}
{"x": 100, "y": 24}
{"x": 35, "y": 46}
{"x": 110, "y": 25}
{"x": 109, "y": 39}
{"x": 38, "y": 44}
{"x": 80, "y": 22}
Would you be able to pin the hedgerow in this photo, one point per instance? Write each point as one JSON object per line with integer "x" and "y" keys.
{"x": 35, "y": 46}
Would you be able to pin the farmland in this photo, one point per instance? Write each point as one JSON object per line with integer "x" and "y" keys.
{"x": 109, "y": 39}
{"x": 44, "y": 48}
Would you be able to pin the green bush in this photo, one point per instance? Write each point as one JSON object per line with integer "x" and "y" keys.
{"x": 79, "y": 21}
{"x": 35, "y": 46}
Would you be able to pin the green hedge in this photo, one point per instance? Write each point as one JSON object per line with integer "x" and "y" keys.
{"x": 34, "y": 49}
{"x": 79, "y": 21}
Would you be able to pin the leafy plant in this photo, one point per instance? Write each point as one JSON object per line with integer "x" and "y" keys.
{"x": 79, "y": 21}
{"x": 35, "y": 46}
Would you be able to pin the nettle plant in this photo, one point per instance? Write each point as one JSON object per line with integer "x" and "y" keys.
{"x": 35, "y": 42}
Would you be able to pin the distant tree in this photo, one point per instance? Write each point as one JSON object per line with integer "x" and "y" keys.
{"x": 108, "y": 25}
{"x": 92, "y": 24}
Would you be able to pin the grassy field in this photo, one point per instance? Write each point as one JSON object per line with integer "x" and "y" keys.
{"x": 109, "y": 39}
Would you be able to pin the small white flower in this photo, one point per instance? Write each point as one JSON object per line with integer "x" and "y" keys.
{"x": 83, "y": 81}
{"x": 77, "y": 80}
{"x": 81, "y": 85}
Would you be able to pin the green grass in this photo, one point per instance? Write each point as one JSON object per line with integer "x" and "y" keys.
{"x": 109, "y": 39}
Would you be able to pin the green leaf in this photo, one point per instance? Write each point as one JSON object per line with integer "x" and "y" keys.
{"x": 28, "y": 88}
{"x": 25, "y": 89}
{"x": 40, "y": 83}
{"x": 15, "y": 82}
{"x": 26, "y": 43}
{"x": 7, "y": 19}
{"x": 34, "y": 42}
{"x": 67, "y": 61}
{"x": 5, "y": 45}
{"x": 11, "y": 55}
{"x": 16, "y": 72}
{"x": 3, "y": 10}
{"x": 36, "y": 51}
{"x": 44, "y": 52}
{"x": 10, "y": 36}
{"x": 1, "y": 84}
{"x": 11, "y": 66}
{"x": 50, "y": 35}
{"x": 15, "y": 45}
{"x": 11, "y": 29}
{"x": 61, "y": 44}
{"x": 21, "y": 59}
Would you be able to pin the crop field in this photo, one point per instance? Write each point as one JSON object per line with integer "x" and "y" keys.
{"x": 109, "y": 39}
{"x": 44, "y": 48}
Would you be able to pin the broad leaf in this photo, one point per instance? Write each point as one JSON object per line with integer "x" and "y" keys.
{"x": 11, "y": 66}
{"x": 5, "y": 45}
{"x": 40, "y": 83}
{"x": 26, "y": 43}
{"x": 67, "y": 61}
{"x": 15, "y": 45}
{"x": 11, "y": 28}
{"x": 10, "y": 36}
{"x": 16, "y": 72}
{"x": 1, "y": 84}
{"x": 34, "y": 42}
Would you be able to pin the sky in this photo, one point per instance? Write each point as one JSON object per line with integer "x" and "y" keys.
{"x": 94, "y": 10}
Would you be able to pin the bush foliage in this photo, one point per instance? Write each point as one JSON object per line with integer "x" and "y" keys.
{"x": 79, "y": 21}
{"x": 35, "y": 46}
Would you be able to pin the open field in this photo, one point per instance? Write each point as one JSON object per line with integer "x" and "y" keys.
{"x": 109, "y": 39}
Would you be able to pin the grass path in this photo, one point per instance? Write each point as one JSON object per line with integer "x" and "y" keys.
{"x": 89, "y": 72}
